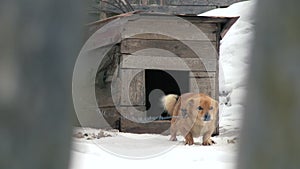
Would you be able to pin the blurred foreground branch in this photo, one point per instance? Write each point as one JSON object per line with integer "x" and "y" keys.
{"x": 270, "y": 136}
{"x": 39, "y": 41}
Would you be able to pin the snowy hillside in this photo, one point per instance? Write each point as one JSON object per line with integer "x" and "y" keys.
{"x": 97, "y": 149}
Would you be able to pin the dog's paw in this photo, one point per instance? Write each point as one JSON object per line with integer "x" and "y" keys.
{"x": 173, "y": 138}
{"x": 189, "y": 139}
{"x": 208, "y": 142}
{"x": 189, "y": 142}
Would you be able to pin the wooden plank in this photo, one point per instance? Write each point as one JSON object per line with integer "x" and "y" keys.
{"x": 133, "y": 87}
{"x": 203, "y": 85}
{"x": 140, "y": 34}
{"x": 222, "y": 3}
{"x": 217, "y": 88}
{"x": 165, "y": 9}
{"x": 104, "y": 97}
{"x": 132, "y": 111}
{"x": 205, "y": 90}
{"x": 109, "y": 95}
{"x": 204, "y": 27}
{"x": 167, "y": 63}
{"x": 206, "y": 19}
{"x": 146, "y": 2}
{"x": 171, "y": 27}
{"x": 112, "y": 116}
{"x": 171, "y": 23}
{"x": 203, "y": 74}
{"x": 210, "y": 82}
{"x": 204, "y": 82}
{"x": 183, "y": 49}
{"x": 104, "y": 89}
{"x": 227, "y": 26}
{"x": 190, "y": 18}
{"x": 155, "y": 127}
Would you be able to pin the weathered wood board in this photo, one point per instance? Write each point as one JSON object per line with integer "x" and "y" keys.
{"x": 133, "y": 87}
{"x": 204, "y": 82}
{"x": 111, "y": 115}
{"x": 173, "y": 6}
{"x": 183, "y": 49}
{"x": 202, "y": 74}
{"x": 166, "y": 9}
{"x": 208, "y": 29}
{"x": 167, "y": 63}
{"x": 171, "y": 26}
{"x": 158, "y": 127}
{"x": 201, "y": 2}
{"x": 205, "y": 90}
{"x": 137, "y": 114}
{"x": 184, "y": 2}
{"x": 103, "y": 97}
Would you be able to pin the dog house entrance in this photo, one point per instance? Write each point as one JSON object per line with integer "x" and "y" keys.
{"x": 163, "y": 82}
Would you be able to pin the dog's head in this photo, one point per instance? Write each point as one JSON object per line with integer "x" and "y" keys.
{"x": 203, "y": 108}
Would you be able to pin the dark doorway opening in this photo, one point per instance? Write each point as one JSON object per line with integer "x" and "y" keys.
{"x": 163, "y": 82}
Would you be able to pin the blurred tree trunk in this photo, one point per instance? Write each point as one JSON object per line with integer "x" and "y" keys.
{"x": 39, "y": 42}
{"x": 270, "y": 135}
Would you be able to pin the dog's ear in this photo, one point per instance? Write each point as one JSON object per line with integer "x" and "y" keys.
{"x": 190, "y": 103}
{"x": 215, "y": 104}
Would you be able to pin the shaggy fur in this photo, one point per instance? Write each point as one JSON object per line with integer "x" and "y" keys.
{"x": 169, "y": 102}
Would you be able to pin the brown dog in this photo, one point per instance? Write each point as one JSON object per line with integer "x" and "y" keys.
{"x": 193, "y": 115}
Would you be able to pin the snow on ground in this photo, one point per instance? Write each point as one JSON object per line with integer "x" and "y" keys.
{"x": 148, "y": 151}
{"x": 97, "y": 149}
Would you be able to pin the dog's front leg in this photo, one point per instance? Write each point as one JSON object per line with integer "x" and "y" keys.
{"x": 189, "y": 139}
{"x": 173, "y": 132}
{"x": 207, "y": 141}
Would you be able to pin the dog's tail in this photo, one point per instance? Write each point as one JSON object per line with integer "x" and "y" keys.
{"x": 169, "y": 102}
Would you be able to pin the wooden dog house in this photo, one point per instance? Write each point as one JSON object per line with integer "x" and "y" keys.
{"x": 148, "y": 51}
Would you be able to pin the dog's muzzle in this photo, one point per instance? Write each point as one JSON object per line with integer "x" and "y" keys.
{"x": 207, "y": 117}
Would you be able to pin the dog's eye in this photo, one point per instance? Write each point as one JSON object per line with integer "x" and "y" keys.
{"x": 200, "y": 108}
{"x": 211, "y": 108}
